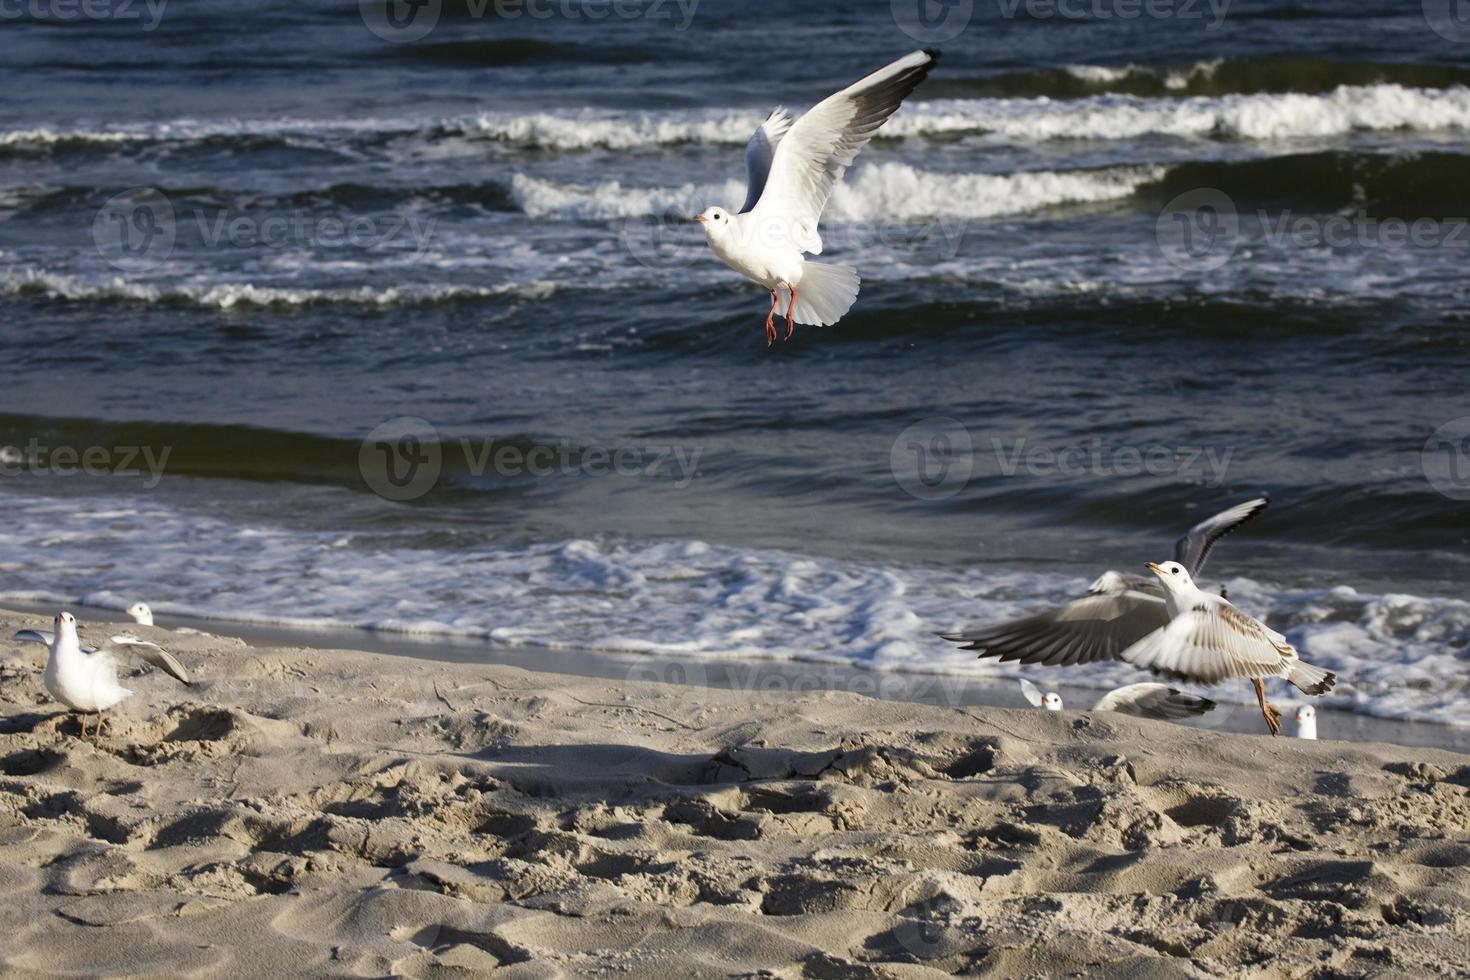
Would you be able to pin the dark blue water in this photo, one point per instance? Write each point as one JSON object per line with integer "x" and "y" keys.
{"x": 415, "y": 332}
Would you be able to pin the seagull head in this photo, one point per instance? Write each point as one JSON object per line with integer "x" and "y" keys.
{"x": 1176, "y": 577}
{"x": 1306, "y": 713}
{"x": 1052, "y": 701}
{"x": 140, "y": 613}
{"x": 66, "y": 625}
{"x": 716, "y": 222}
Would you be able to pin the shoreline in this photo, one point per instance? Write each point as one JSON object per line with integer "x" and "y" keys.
{"x": 767, "y": 676}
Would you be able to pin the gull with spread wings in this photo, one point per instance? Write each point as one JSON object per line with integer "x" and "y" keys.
{"x": 1119, "y": 610}
{"x": 85, "y": 679}
{"x": 791, "y": 169}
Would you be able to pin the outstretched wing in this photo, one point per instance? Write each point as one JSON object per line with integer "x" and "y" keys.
{"x": 1154, "y": 701}
{"x": 1086, "y": 630}
{"x": 131, "y": 646}
{"x": 821, "y": 145}
{"x": 1031, "y": 692}
{"x": 1211, "y": 643}
{"x": 760, "y": 152}
{"x": 1192, "y": 549}
{"x": 34, "y": 636}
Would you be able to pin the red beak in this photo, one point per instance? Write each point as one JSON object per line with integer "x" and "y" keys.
{"x": 700, "y": 218}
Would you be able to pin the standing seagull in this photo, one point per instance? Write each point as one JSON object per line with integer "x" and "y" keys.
{"x": 1306, "y": 722}
{"x": 1142, "y": 700}
{"x": 1119, "y": 610}
{"x": 791, "y": 168}
{"x": 1208, "y": 640}
{"x": 85, "y": 679}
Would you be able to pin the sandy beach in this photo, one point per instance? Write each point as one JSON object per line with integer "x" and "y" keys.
{"x": 303, "y": 811}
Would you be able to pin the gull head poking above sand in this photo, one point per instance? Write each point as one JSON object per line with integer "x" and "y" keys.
{"x": 140, "y": 613}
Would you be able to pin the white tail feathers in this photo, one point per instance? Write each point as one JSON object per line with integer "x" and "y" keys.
{"x": 1311, "y": 680}
{"x": 825, "y": 293}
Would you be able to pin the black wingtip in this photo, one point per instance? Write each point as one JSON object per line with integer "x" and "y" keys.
{"x": 934, "y": 53}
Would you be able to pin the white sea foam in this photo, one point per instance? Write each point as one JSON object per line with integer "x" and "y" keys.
{"x": 1262, "y": 116}
{"x": 1397, "y": 656}
{"x": 876, "y": 193}
{"x": 224, "y": 295}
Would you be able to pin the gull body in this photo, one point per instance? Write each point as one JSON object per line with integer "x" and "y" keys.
{"x": 1141, "y": 700}
{"x": 1208, "y": 640}
{"x": 85, "y": 679}
{"x": 791, "y": 168}
{"x": 1119, "y": 609}
{"x": 1306, "y": 722}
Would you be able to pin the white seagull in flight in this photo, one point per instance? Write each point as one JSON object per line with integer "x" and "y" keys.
{"x": 85, "y": 679}
{"x": 1119, "y": 610}
{"x": 791, "y": 168}
{"x": 1143, "y": 700}
{"x": 1208, "y": 640}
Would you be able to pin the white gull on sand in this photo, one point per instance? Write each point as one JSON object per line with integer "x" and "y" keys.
{"x": 791, "y": 169}
{"x": 85, "y": 679}
{"x": 140, "y": 613}
{"x": 1306, "y": 722}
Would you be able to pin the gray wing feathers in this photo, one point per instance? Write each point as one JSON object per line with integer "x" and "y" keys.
{"x": 33, "y": 636}
{"x": 760, "y": 152}
{"x": 1084, "y": 631}
{"x": 1193, "y": 549}
{"x": 151, "y": 653}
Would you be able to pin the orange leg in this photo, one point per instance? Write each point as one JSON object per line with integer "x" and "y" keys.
{"x": 770, "y": 318}
{"x": 791, "y": 308}
{"x": 1272, "y": 716}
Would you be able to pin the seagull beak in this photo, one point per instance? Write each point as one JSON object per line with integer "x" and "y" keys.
{"x": 700, "y": 218}
{"x": 1153, "y": 568}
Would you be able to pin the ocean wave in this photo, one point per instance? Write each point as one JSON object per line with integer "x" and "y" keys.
{"x": 1209, "y": 77}
{"x": 226, "y": 296}
{"x": 1397, "y": 656}
{"x": 1344, "y": 109}
{"x": 888, "y": 192}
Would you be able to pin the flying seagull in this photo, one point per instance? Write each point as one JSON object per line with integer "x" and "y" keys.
{"x": 1208, "y": 640}
{"x": 1119, "y": 610}
{"x": 791, "y": 168}
{"x": 1158, "y": 701}
{"x": 85, "y": 679}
